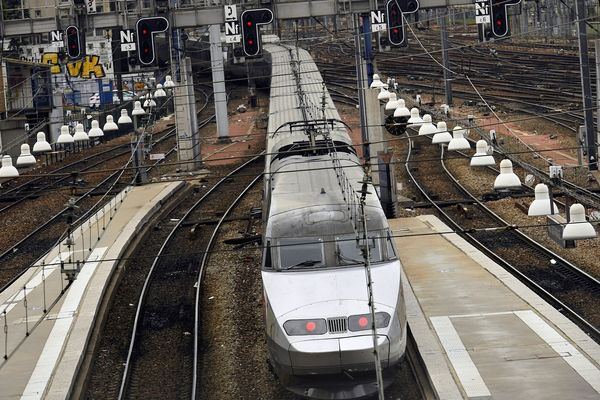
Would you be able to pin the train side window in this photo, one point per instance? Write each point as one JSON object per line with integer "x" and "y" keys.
{"x": 267, "y": 256}
{"x": 391, "y": 251}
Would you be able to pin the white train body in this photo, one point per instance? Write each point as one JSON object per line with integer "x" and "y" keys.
{"x": 318, "y": 320}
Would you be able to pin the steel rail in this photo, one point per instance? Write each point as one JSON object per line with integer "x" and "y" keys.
{"x": 144, "y": 292}
{"x": 203, "y": 263}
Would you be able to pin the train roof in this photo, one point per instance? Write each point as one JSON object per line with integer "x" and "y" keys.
{"x": 286, "y": 118}
{"x": 306, "y": 198}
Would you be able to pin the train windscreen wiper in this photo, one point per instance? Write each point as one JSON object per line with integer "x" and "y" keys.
{"x": 307, "y": 263}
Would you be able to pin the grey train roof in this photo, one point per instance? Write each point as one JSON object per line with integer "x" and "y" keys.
{"x": 306, "y": 198}
{"x": 283, "y": 106}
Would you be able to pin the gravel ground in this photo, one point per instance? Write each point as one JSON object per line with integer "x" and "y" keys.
{"x": 31, "y": 212}
{"x": 585, "y": 255}
{"x": 28, "y": 215}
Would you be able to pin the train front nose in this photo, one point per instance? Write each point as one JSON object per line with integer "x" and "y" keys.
{"x": 336, "y": 355}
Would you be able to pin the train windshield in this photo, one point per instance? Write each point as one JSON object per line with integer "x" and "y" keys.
{"x": 296, "y": 253}
{"x": 348, "y": 249}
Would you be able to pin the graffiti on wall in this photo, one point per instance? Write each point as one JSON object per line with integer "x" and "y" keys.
{"x": 84, "y": 68}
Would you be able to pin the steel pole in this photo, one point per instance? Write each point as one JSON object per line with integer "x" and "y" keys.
{"x": 361, "y": 90}
{"x": 218, "y": 76}
{"x": 368, "y": 47}
{"x": 445, "y": 61}
{"x": 597, "y": 48}
{"x": 586, "y": 87}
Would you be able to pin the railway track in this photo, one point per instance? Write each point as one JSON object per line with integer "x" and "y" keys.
{"x": 15, "y": 259}
{"x": 160, "y": 359}
{"x": 24, "y": 247}
{"x": 505, "y": 74}
{"x": 563, "y": 284}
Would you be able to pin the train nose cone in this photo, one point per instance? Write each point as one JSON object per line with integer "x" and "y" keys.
{"x": 357, "y": 352}
{"x": 317, "y": 356}
{"x": 331, "y": 356}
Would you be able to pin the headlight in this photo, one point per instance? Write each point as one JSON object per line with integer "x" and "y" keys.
{"x": 363, "y": 322}
{"x": 295, "y": 327}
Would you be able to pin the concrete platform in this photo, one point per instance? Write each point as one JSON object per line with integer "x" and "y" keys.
{"x": 47, "y": 322}
{"x": 481, "y": 333}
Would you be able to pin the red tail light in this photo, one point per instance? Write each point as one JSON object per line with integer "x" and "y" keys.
{"x": 296, "y": 327}
{"x": 363, "y": 322}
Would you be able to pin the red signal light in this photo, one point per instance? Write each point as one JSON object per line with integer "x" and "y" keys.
{"x": 249, "y": 23}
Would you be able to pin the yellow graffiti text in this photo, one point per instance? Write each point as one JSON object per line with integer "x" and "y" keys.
{"x": 84, "y": 68}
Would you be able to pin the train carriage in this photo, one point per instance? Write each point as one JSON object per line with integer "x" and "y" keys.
{"x": 318, "y": 319}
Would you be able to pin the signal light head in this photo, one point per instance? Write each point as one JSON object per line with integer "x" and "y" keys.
{"x": 73, "y": 42}
{"x": 251, "y": 21}
{"x": 145, "y": 30}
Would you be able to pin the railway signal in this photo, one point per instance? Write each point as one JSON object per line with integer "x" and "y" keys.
{"x": 395, "y": 19}
{"x": 146, "y": 28}
{"x": 499, "y": 18}
{"x": 251, "y": 20}
{"x": 73, "y": 42}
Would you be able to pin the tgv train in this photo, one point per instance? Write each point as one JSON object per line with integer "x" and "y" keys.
{"x": 318, "y": 320}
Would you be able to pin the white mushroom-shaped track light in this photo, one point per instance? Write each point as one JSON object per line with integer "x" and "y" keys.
{"x": 377, "y": 83}
{"x": 442, "y": 135}
{"x": 578, "y": 227}
{"x": 541, "y": 204}
{"x": 41, "y": 146}
{"x": 415, "y": 119}
{"x": 80, "y": 135}
{"x": 458, "y": 141}
{"x": 64, "y": 137}
{"x": 401, "y": 110}
{"x": 383, "y": 95}
{"x": 25, "y": 159}
{"x": 160, "y": 92}
{"x": 391, "y": 105}
{"x": 169, "y": 84}
{"x": 137, "y": 109}
{"x": 507, "y": 178}
{"x": 481, "y": 157}
{"x": 149, "y": 103}
{"x": 125, "y": 118}
{"x": 428, "y": 128}
{"x": 95, "y": 131}
{"x": 8, "y": 170}
{"x": 110, "y": 125}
